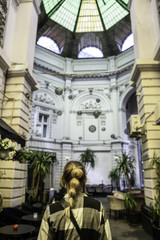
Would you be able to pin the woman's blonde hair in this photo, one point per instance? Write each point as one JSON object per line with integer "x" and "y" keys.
{"x": 73, "y": 178}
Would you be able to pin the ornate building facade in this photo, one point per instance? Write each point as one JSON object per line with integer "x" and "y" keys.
{"x": 64, "y": 105}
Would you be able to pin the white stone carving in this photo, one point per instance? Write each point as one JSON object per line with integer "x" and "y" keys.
{"x": 44, "y": 97}
{"x": 90, "y": 105}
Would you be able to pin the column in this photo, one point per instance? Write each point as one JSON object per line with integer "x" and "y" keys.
{"x": 20, "y": 81}
{"x": 67, "y": 119}
{"x": 145, "y": 78}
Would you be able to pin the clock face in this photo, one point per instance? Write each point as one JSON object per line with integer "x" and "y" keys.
{"x": 92, "y": 128}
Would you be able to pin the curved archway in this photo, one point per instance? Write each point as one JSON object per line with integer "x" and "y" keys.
{"x": 90, "y": 46}
{"x": 81, "y": 98}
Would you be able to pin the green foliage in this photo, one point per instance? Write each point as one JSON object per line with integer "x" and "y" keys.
{"x": 125, "y": 165}
{"x": 114, "y": 174}
{"x": 129, "y": 202}
{"x": 88, "y": 158}
{"x": 155, "y": 208}
{"x": 40, "y": 166}
{"x": 155, "y": 205}
{"x": 155, "y": 162}
{"x": 23, "y": 155}
{"x": 40, "y": 163}
{"x": 31, "y": 198}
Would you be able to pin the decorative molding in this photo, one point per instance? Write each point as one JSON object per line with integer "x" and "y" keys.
{"x": 142, "y": 65}
{"x": 90, "y": 105}
{"x": 21, "y": 70}
{"x": 44, "y": 97}
{"x": 76, "y": 76}
{"x": 4, "y": 61}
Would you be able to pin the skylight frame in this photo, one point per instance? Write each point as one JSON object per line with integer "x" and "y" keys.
{"x": 65, "y": 13}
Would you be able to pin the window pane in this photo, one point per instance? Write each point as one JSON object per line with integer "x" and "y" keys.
{"x": 90, "y": 52}
{"x": 45, "y": 119}
{"x": 40, "y": 118}
{"x": 49, "y": 44}
{"x": 44, "y": 130}
{"x": 129, "y": 42}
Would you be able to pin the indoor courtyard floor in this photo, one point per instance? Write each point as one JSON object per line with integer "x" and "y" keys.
{"x": 120, "y": 228}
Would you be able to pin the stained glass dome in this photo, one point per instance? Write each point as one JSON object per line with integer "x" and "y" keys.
{"x": 86, "y": 15}
{"x": 78, "y": 24}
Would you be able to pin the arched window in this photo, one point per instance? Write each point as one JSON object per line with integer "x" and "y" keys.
{"x": 90, "y": 52}
{"x": 128, "y": 42}
{"x": 48, "y": 43}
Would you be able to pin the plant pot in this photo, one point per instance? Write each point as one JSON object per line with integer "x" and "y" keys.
{"x": 156, "y": 232}
{"x": 4, "y": 154}
{"x": 134, "y": 218}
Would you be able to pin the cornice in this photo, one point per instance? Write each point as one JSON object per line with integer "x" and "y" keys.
{"x": 23, "y": 71}
{"x": 143, "y": 65}
{"x": 4, "y": 61}
{"x": 82, "y": 75}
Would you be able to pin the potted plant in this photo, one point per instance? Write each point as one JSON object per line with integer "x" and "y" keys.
{"x": 6, "y": 146}
{"x": 155, "y": 205}
{"x": 88, "y": 159}
{"x": 114, "y": 175}
{"x": 125, "y": 166}
{"x": 39, "y": 168}
{"x": 22, "y": 155}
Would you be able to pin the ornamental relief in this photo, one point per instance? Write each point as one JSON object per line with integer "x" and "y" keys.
{"x": 90, "y": 105}
{"x": 45, "y": 98}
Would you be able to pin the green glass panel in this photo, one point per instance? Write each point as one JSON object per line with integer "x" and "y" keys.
{"x": 112, "y": 12}
{"x": 65, "y": 13}
{"x": 89, "y": 19}
{"x": 50, "y": 4}
{"x": 125, "y": 1}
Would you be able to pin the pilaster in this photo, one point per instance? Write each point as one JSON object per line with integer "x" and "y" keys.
{"x": 17, "y": 101}
{"x": 67, "y": 109}
{"x": 24, "y": 37}
{"x": 145, "y": 78}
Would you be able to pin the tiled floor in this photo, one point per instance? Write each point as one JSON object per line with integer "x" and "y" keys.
{"x": 121, "y": 230}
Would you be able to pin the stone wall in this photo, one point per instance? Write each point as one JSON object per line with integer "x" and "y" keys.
{"x": 12, "y": 182}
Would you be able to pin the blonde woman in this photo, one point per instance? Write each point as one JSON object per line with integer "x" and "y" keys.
{"x": 76, "y": 216}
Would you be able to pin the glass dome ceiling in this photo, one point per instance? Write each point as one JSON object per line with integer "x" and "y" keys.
{"x": 86, "y": 15}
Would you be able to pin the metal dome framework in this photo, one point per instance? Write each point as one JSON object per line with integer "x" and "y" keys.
{"x": 67, "y": 21}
